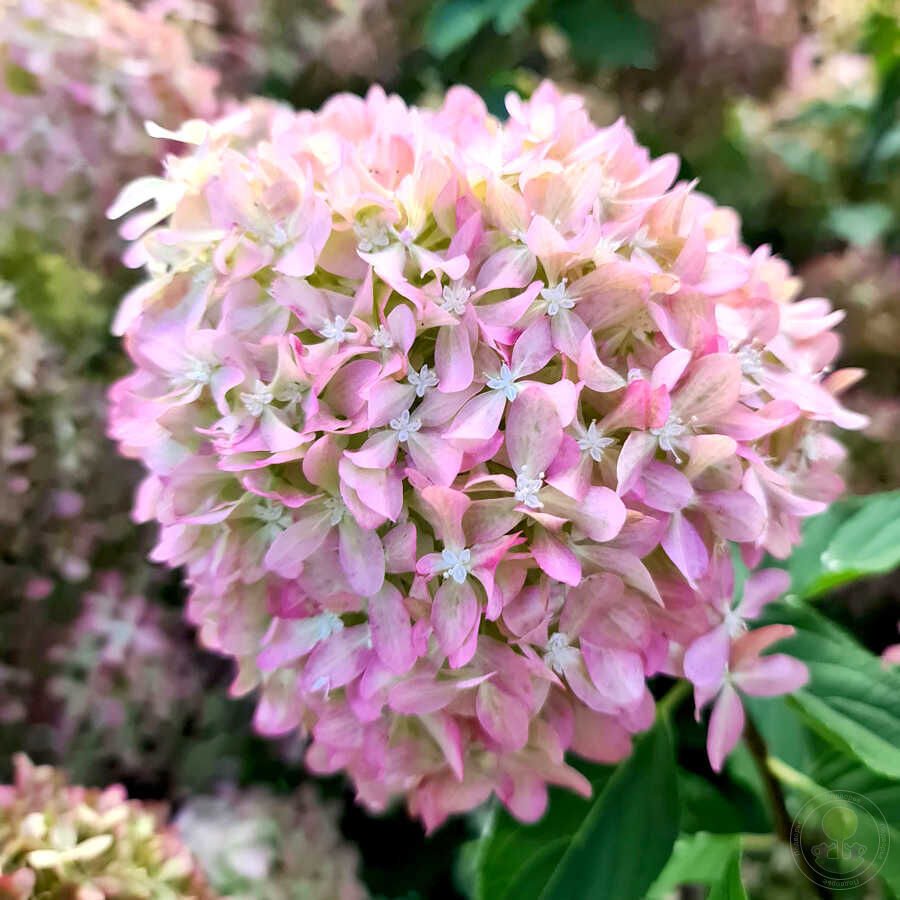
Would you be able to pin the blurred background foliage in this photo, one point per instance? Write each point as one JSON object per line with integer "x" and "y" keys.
{"x": 786, "y": 110}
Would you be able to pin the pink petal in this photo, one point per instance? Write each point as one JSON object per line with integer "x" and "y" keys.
{"x": 597, "y": 376}
{"x": 685, "y": 548}
{"x": 478, "y": 420}
{"x": 454, "y": 613}
{"x": 768, "y": 676}
{"x": 725, "y": 726}
{"x": 337, "y": 660}
{"x": 534, "y": 349}
{"x": 444, "y": 510}
{"x": 510, "y": 267}
{"x": 434, "y": 457}
{"x": 554, "y": 558}
{"x": 665, "y": 488}
{"x": 711, "y": 389}
{"x": 299, "y": 541}
{"x": 362, "y": 558}
{"x": 760, "y": 589}
{"x": 734, "y": 515}
{"x": 599, "y": 738}
{"x": 453, "y": 358}
{"x": 503, "y": 717}
{"x": 378, "y": 452}
{"x": 706, "y": 659}
{"x": 288, "y": 641}
{"x": 617, "y": 674}
{"x": 533, "y": 432}
{"x": 391, "y": 629}
{"x": 636, "y": 452}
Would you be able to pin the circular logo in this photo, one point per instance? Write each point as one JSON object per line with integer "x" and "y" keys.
{"x": 840, "y": 840}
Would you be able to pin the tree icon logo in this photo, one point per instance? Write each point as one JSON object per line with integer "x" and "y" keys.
{"x": 840, "y": 839}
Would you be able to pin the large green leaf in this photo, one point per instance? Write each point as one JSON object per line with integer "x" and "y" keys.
{"x": 851, "y": 700}
{"x": 855, "y": 537}
{"x": 827, "y": 785}
{"x": 607, "y": 33}
{"x": 453, "y": 23}
{"x": 713, "y": 860}
{"x": 581, "y": 848}
{"x": 868, "y": 543}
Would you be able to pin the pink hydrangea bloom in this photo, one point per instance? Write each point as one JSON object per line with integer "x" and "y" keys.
{"x": 450, "y": 423}
{"x": 80, "y": 80}
{"x": 125, "y": 681}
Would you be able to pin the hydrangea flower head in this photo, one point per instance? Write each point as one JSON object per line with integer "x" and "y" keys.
{"x": 59, "y": 841}
{"x": 450, "y": 423}
{"x": 125, "y": 681}
{"x": 255, "y": 845}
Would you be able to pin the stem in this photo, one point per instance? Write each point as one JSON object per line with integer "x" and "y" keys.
{"x": 762, "y": 759}
{"x": 790, "y": 776}
{"x": 673, "y": 697}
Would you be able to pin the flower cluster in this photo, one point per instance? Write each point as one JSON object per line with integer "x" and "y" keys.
{"x": 125, "y": 679}
{"x": 58, "y": 841}
{"x": 80, "y": 77}
{"x": 254, "y": 845}
{"x": 451, "y": 423}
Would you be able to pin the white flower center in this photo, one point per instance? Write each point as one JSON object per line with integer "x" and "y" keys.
{"x": 258, "y": 399}
{"x": 371, "y": 235}
{"x": 557, "y": 298}
{"x": 558, "y": 654}
{"x": 456, "y": 564}
{"x": 272, "y": 512}
{"x": 668, "y": 435}
{"x": 527, "y": 488}
{"x": 382, "y": 339}
{"x": 405, "y": 425}
{"x": 336, "y": 329}
{"x": 455, "y": 297}
{"x": 593, "y": 441}
{"x": 505, "y": 382}
{"x": 423, "y": 380}
{"x": 328, "y": 624}
{"x": 734, "y": 624}
{"x": 335, "y": 506}
{"x": 751, "y": 361}
{"x": 642, "y": 239}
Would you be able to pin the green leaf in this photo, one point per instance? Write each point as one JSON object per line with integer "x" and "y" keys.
{"x": 869, "y": 542}
{"x": 453, "y": 23}
{"x": 713, "y": 860}
{"x": 830, "y": 779}
{"x": 722, "y": 808}
{"x": 581, "y": 847}
{"x": 856, "y": 537}
{"x": 607, "y": 33}
{"x": 852, "y": 700}
{"x": 860, "y": 224}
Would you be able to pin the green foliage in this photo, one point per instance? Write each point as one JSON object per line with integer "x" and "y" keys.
{"x": 861, "y": 224}
{"x": 854, "y": 538}
{"x": 589, "y": 848}
{"x": 713, "y": 860}
{"x": 607, "y": 34}
{"x": 452, "y": 23}
{"x": 851, "y": 700}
